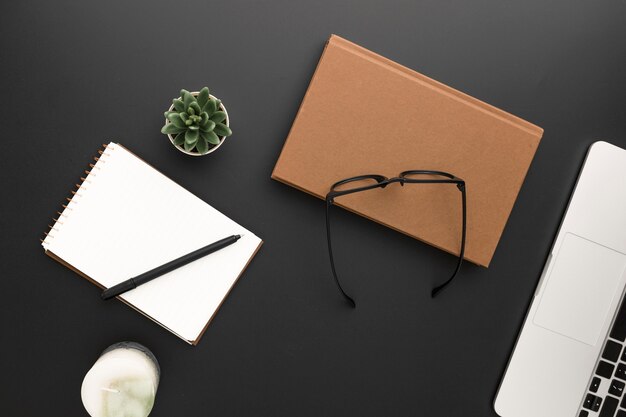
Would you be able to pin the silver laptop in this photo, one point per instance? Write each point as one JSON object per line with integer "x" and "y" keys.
{"x": 569, "y": 359}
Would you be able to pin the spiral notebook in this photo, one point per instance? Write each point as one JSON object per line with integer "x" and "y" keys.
{"x": 127, "y": 218}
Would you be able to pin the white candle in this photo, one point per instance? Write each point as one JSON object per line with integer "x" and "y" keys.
{"x": 122, "y": 382}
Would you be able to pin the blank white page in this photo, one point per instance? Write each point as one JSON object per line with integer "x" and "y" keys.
{"x": 128, "y": 218}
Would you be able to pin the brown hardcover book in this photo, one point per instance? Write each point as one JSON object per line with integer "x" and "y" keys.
{"x": 365, "y": 114}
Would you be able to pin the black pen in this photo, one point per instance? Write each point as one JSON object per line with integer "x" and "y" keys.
{"x": 133, "y": 283}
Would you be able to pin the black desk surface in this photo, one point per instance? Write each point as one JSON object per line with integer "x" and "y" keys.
{"x": 77, "y": 74}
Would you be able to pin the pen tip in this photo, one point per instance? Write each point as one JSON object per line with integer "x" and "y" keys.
{"x": 238, "y": 236}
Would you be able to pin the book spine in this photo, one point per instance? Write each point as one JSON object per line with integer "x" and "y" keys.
{"x": 76, "y": 194}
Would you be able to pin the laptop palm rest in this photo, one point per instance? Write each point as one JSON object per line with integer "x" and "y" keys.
{"x": 579, "y": 290}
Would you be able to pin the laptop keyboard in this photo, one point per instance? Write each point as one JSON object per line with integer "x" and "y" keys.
{"x": 605, "y": 395}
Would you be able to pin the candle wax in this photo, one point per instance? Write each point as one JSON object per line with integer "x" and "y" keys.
{"x": 122, "y": 382}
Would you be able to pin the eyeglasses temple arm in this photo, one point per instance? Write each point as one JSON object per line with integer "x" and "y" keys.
{"x": 439, "y": 288}
{"x": 329, "y": 202}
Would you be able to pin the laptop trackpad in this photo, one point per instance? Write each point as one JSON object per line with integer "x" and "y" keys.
{"x": 580, "y": 288}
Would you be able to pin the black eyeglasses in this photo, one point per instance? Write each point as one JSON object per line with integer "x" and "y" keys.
{"x": 370, "y": 182}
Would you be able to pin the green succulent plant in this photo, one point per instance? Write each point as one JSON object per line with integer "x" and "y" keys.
{"x": 196, "y": 123}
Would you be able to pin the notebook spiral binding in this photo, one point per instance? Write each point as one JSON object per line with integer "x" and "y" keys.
{"x": 71, "y": 202}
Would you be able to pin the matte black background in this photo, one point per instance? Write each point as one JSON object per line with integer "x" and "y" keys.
{"x": 76, "y": 74}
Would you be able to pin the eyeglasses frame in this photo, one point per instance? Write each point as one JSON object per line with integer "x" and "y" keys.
{"x": 382, "y": 182}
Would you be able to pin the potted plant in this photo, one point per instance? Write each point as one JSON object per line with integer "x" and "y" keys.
{"x": 196, "y": 123}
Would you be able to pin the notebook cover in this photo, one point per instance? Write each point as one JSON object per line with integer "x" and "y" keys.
{"x": 365, "y": 114}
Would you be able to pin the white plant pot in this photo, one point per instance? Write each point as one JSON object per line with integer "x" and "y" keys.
{"x": 214, "y": 148}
